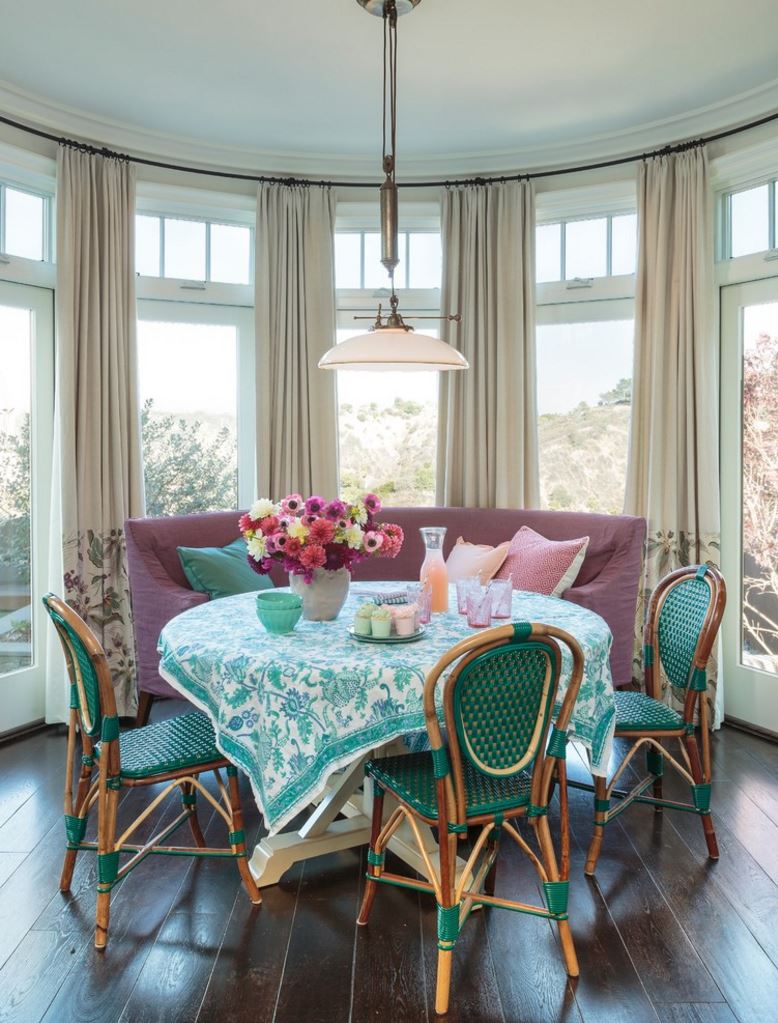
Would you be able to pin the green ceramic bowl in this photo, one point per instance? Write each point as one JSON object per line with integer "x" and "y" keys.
{"x": 279, "y": 612}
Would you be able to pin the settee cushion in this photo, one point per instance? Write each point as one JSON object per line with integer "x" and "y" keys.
{"x": 221, "y": 571}
{"x": 540, "y": 565}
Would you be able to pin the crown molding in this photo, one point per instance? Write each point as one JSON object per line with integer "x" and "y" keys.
{"x": 63, "y": 120}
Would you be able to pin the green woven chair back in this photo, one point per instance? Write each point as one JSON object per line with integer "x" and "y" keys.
{"x": 501, "y": 705}
{"x": 85, "y": 689}
{"x": 681, "y": 619}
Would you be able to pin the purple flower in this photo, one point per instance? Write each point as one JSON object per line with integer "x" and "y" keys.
{"x": 373, "y": 503}
{"x": 314, "y": 505}
{"x": 335, "y": 510}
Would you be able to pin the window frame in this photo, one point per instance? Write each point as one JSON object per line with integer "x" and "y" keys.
{"x": 724, "y": 220}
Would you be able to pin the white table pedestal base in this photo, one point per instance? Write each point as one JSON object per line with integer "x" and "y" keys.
{"x": 348, "y": 793}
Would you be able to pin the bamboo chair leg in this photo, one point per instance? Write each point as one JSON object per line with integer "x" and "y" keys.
{"x": 68, "y": 867}
{"x": 600, "y": 816}
{"x": 69, "y": 863}
{"x": 443, "y": 981}
{"x": 371, "y": 887}
{"x": 552, "y": 869}
{"x": 707, "y": 821}
{"x": 189, "y": 792}
{"x": 240, "y": 846}
{"x": 106, "y": 842}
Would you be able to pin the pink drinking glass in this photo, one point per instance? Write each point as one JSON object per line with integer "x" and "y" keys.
{"x": 502, "y": 597}
{"x": 479, "y": 607}
{"x": 463, "y": 585}
{"x": 421, "y": 596}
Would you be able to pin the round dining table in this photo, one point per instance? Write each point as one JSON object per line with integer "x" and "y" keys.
{"x": 300, "y": 712}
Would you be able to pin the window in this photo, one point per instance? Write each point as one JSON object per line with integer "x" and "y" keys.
{"x": 358, "y": 260}
{"x": 584, "y": 398}
{"x": 26, "y": 430}
{"x": 749, "y": 220}
{"x": 586, "y": 247}
{"x": 192, "y": 250}
{"x": 387, "y": 422}
{"x": 196, "y": 383}
{"x": 25, "y": 223}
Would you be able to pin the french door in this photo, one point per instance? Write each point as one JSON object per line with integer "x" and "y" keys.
{"x": 749, "y": 512}
{"x": 26, "y": 431}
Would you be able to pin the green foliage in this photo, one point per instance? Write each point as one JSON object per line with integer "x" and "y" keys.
{"x": 186, "y": 468}
{"x": 621, "y": 394}
{"x": 583, "y": 458}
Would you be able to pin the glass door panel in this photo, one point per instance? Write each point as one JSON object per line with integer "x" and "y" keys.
{"x": 26, "y": 414}
{"x": 750, "y": 500}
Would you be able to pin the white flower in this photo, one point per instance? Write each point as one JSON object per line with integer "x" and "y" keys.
{"x": 359, "y": 512}
{"x": 298, "y": 530}
{"x": 353, "y": 537}
{"x": 257, "y": 547}
{"x": 263, "y": 508}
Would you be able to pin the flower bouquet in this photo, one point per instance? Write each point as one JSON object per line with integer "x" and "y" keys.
{"x": 313, "y": 539}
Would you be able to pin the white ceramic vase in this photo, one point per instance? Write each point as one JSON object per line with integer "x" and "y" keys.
{"x": 324, "y": 596}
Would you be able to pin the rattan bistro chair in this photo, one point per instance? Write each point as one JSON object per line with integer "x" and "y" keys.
{"x": 493, "y": 768}
{"x": 681, "y": 627}
{"x": 174, "y": 752}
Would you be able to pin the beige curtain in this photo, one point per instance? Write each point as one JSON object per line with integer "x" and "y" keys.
{"x": 99, "y": 422}
{"x": 673, "y": 473}
{"x": 487, "y": 430}
{"x": 295, "y": 325}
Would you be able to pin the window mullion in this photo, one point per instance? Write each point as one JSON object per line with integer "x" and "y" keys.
{"x": 208, "y": 250}
{"x": 2, "y": 218}
{"x": 771, "y": 215}
{"x": 563, "y": 250}
{"x": 162, "y": 247}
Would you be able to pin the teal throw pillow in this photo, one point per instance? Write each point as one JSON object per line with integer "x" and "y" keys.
{"x": 221, "y": 571}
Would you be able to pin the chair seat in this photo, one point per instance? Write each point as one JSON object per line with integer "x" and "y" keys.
{"x": 412, "y": 778}
{"x": 177, "y": 744}
{"x": 636, "y": 712}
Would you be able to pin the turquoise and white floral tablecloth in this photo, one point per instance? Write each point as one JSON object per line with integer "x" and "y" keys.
{"x": 291, "y": 710}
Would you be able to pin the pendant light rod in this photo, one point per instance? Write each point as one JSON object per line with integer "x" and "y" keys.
{"x": 390, "y": 257}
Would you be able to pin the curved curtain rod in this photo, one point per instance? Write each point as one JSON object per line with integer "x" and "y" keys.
{"x": 679, "y": 147}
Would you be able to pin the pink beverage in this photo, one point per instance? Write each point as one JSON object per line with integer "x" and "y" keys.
{"x": 479, "y": 607}
{"x": 433, "y": 570}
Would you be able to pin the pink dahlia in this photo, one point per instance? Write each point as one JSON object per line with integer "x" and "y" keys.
{"x": 313, "y": 556}
{"x": 293, "y": 547}
{"x": 268, "y": 525}
{"x": 322, "y": 532}
{"x": 246, "y": 523}
{"x": 393, "y": 540}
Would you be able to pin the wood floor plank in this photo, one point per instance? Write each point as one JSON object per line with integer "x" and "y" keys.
{"x": 388, "y": 961}
{"x": 691, "y": 1012}
{"x": 322, "y": 942}
{"x": 527, "y": 957}
{"x": 662, "y": 954}
{"x": 475, "y": 994}
{"x": 33, "y": 974}
{"x": 9, "y": 861}
{"x": 172, "y": 982}
{"x": 246, "y": 978}
{"x": 742, "y": 970}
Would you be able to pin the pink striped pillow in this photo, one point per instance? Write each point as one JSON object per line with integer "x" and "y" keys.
{"x": 540, "y": 565}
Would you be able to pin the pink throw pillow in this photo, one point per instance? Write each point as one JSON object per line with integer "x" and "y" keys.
{"x": 470, "y": 559}
{"x": 543, "y": 566}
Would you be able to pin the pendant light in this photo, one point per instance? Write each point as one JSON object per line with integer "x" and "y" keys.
{"x": 391, "y": 343}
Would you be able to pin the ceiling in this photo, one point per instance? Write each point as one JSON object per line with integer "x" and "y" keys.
{"x": 295, "y": 84}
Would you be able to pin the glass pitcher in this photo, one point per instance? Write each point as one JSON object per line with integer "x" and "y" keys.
{"x": 433, "y": 570}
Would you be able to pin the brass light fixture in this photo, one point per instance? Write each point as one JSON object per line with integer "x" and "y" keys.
{"x": 391, "y": 343}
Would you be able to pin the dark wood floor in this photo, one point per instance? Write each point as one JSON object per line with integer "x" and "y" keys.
{"x": 662, "y": 934}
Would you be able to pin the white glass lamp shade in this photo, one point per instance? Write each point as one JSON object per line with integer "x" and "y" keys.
{"x": 393, "y": 348}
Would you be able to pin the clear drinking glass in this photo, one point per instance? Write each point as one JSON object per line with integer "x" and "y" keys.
{"x": 421, "y": 596}
{"x": 463, "y": 585}
{"x": 502, "y": 597}
{"x": 479, "y": 607}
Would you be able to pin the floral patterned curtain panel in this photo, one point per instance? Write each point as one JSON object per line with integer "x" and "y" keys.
{"x": 97, "y": 398}
{"x": 487, "y": 425}
{"x": 673, "y": 470}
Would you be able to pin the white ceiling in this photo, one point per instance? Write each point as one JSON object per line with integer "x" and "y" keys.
{"x": 295, "y": 84}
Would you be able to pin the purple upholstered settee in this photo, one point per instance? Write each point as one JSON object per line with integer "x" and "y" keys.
{"x": 607, "y": 582}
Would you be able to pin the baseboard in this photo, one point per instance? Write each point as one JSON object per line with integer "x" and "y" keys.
{"x": 21, "y": 733}
{"x": 744, "y": 726}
